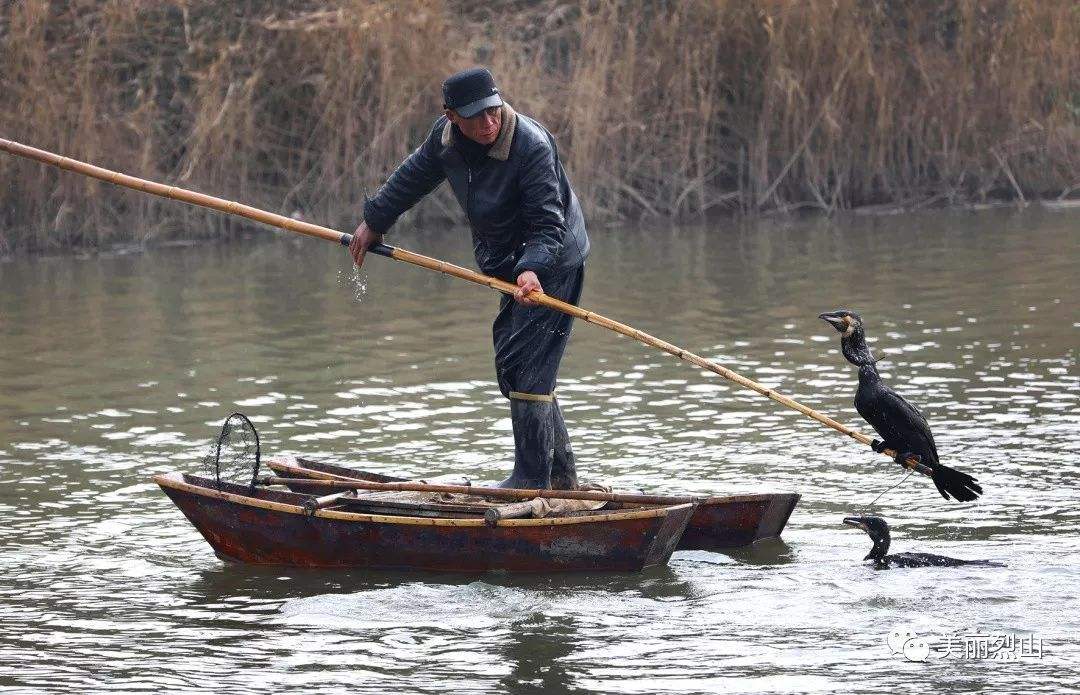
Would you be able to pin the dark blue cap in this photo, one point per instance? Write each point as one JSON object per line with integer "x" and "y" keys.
{"x": 470, "y": 91}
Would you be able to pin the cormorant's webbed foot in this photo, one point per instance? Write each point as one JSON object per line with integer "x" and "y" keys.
{"x": 878, "y": 445}
{"x": 901, "y": 459}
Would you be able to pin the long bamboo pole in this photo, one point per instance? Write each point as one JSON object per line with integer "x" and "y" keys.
{"x": 314, "y": 230}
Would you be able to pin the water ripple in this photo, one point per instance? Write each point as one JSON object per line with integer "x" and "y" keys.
{"x": 119, "y": 367}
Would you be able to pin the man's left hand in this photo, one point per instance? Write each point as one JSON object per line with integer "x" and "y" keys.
{"x": 527, "y": 282}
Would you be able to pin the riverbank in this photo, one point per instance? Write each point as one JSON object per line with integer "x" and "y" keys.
{"x": 671, "y": 111}
{"x": 415, "y": 237}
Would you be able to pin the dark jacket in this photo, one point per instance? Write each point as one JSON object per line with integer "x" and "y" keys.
{"x": 518, "y": 200}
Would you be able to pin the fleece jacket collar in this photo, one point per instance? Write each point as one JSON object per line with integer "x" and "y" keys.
{"x": 500, "y": 149}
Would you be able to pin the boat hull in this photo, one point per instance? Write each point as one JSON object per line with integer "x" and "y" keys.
{"x": 266, "y": 527}
{"x": 737, "y": 521}
{"x": 728, "y": 521}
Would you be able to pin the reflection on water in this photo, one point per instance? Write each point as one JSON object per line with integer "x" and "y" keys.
{"x": 119, "y": 366}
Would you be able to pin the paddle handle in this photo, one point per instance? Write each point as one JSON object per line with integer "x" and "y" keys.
{"x": 313, "y": 505}
{"x": 314, "y": 230}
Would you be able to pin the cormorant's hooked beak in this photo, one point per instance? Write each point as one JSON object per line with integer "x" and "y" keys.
{"x": 855, "y": 521}
{"x": 835, "y": 319}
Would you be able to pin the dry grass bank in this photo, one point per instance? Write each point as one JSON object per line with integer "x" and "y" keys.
{"x": 667, "y": 109}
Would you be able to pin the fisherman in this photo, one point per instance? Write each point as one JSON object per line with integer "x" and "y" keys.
{"x": 527, "y": 229}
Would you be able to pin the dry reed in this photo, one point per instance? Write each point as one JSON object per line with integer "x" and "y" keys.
{"x": 661, "y": 109}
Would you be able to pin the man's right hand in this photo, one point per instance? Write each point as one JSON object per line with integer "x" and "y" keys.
{"x": 362, "y": 240}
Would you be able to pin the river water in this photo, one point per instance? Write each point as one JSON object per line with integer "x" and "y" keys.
{"x": 117, "y": 366}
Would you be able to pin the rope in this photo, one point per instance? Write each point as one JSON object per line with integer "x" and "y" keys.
{"x": 903, "y": 480}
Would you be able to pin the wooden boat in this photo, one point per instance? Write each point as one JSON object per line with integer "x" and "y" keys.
{"x": 719, "y": 522}
{"x": 261, "y": 525}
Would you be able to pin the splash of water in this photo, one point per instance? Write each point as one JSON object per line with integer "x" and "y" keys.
{"x": 355, "y": 279}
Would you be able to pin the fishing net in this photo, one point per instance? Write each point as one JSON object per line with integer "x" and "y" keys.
{"x": 234, "y": 456}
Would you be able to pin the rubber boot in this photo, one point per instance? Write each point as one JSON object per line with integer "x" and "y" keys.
{"x": 533, "y": 444}
{"x": 563, "y": 467}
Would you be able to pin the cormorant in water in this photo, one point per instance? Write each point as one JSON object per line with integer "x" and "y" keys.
{"x": 900, "y": 424}
{"x": 878, "y": 530}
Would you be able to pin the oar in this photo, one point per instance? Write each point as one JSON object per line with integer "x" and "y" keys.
{"x": 475, "y": 490}
{"x": 342, "y": 238}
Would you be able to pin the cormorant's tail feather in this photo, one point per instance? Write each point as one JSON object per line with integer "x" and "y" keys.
{"x": 951, "y": 482}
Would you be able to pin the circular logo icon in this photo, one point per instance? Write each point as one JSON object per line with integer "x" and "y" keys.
{"x": 916, "y": 649}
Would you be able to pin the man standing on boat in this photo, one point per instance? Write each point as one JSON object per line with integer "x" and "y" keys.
{"x": 527, "y": 229}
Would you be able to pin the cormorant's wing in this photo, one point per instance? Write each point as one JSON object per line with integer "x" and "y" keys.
{"x": 897, "y": 421}
{"x": 901, "y": 425}
{"x": 919, "y": 426}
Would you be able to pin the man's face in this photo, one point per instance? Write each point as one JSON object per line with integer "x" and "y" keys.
{"x": 483, "y": 127}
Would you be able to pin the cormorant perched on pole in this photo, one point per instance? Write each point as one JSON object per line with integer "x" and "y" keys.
{"x": 900, "y": 424}
{"x": 878, "y": 531}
